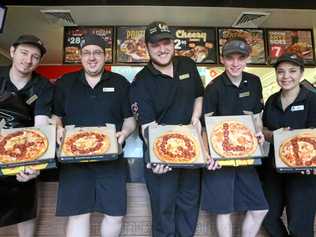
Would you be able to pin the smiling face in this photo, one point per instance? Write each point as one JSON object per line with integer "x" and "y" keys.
{"x": 162, "y": 52}
{"x": 288, "y": 75}
{"x": 25, "y": 58}
{"x": 92, "y": 59}
{"x": 234, "y": 64}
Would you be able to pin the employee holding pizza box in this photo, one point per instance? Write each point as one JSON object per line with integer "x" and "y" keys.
{"x": 232, "y": 189}
{"x": 293, "y": 107}
{"x": 168, "y": 90}
{"x": 93, "y": 97}
{"x": 25, "y": 101}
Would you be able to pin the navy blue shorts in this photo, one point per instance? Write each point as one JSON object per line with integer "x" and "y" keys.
{"x": 92, "y": 187}
{"x": 231, "y": 190}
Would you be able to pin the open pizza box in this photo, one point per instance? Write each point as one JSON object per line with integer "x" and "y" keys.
{"x": 186, "y": 131}
{"x": 110, "y": 153}
{"x": 44, "y": 161}
{"x": 281, "y": 137}
{"x": 257, "y": 151}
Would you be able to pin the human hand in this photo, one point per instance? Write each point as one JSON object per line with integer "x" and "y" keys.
{"x": 158, "y": 168}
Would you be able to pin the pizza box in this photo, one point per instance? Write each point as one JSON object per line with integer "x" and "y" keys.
{"x": 110, "y": 154}
{"x": 156, "y": 131}
{"x": 212, "y": 121}
{"x": 280, "y": 136}
{"x": 15, "y": 170}
{"x": 48, "y": 157}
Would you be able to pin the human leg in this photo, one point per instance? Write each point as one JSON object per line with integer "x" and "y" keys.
{"x": 252, "y": 223}
{"x": 26, "y": 228}
{"x": 111, "y": 226}
{"x": 224, "y": 225}
{"x": 78, "y": 226}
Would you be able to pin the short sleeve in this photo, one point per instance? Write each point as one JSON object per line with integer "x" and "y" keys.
{"x": 59, "y": 99}
{"x": 141, "y": 102}
{"x": 210, "y": 101}
{"x": 44, "y": 102}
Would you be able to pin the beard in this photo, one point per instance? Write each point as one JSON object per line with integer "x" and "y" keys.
{"x": 160, "y": 64}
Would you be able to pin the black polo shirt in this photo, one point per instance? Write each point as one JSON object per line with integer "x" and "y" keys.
{"x": 224, "y": 98}
{"x": 166, "y": 100}
{"x": 300, "y": 114}
{"x": 81, "y": 105}
{"x": 37, "y": 86}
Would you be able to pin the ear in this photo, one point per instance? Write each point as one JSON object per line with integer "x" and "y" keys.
{"x": 12, "y": 50}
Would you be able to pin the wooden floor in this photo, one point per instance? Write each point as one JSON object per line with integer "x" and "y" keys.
{"x": 137, "y": 222}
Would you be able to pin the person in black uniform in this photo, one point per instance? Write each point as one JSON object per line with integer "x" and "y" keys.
{"x": 93, "y": 97}
{"x": 25, "y": 100}
{"x": 232, "y": 189}
{"x": 168, "y": 90}
{"x": 293, "y": 107}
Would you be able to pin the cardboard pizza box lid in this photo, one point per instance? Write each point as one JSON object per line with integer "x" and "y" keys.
{"x": 157, "y": 130}
{"x": 49, "y": 156}
{"x": 280, "y": 136}
{"x": 110, "y": 154}
{"x": 248, "y": 120}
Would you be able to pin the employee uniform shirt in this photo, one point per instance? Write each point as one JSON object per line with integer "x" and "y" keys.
{"x": 158, "y": 97}
{"x": 296, "y": 191}
{"x": 232, "y": 189}
{"x": 18, "y": 199}
{"x": 98, "y": 186}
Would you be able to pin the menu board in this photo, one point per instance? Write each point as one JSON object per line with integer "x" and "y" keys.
{"x": 292, "y": 41}
{"x": 198, "y": 43}
{"x": 130, "y": 44}
{"x": 72, "y": 39}
{"x": 254, "y": 37}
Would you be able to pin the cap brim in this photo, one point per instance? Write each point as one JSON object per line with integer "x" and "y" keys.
{"x": 233, "y": 51}
{"x": 288, "y": 60}
{"x": 155, "y": 38}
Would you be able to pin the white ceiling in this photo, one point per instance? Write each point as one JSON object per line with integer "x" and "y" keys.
{"x": 28, "y": 19}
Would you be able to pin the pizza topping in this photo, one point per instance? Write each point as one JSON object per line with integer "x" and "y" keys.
{"x": 86, "y": 142}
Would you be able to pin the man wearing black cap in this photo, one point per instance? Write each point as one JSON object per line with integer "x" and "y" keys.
{"x": 25, "y": 100}
{"x": 93, "y": 97}
{"x": 168, "y": 90}
{"x": 293, "y": 107}
{"x": 231, "y": 189}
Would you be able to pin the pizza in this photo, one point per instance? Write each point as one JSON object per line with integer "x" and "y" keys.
{"x": 233, "y": 139}
{"x": 23, "y": 145}
{"x": 84, "y": 142}
{"x": 299, "y": 150}
{"x": 176, "y": 147}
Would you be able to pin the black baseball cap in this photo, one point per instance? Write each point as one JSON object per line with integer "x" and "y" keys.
{"x": 157, "y": 31}
{"x": 290, "y": 57}
{"x": 30, "y": 39}
{"x": 92, "y": 39}
{"x": 236, "y": 45}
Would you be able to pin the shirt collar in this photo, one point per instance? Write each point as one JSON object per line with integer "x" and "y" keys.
{"x": 156, "y": 72}
{"x": 302, "y": 95}
{"x": 105, "y": 76}
{"x": 228, "y": 82}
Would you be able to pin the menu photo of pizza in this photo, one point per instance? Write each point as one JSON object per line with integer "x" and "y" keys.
{"x": 26, "y": 146}
{"x": 176, "y": 146}
{"x": 254, "y": 37}
{"x": 291, "y": 41}
{"x": 89, "y": 143}
{"x": 198, "y": 43}
{"x": 295, "y": 150}
{"x": 232, "y": 137}
{"x": 130, "y": 44}
{"x": 72, "y": 39}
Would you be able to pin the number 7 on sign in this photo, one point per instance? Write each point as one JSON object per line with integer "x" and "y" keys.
{"x": 276, "y": 51}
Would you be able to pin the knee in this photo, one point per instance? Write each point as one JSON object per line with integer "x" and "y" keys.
{"x": 114, "y": 220}
{"x": 259, "y": 214}
{"x": 79, "y": 218}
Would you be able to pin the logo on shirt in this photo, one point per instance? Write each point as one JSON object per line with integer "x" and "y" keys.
{"x": 31, "y": 99}
{"x": 244, "y": 94}
{"x": 184, "y": 76}
{"x": 108, "y": 89}
{"x": 297, "y": 108}
{"x": 134, "y": 108}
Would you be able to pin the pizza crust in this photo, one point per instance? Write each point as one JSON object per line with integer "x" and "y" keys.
{"x": 23, "y": 145}
{"x": 176, "y": 147}
{"x": 86, "y": 143}
{"x": 233, "y": 139}
{"x": 306, "y": 150}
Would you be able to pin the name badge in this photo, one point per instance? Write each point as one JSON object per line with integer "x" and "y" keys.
{"x": 184, "y": 76}
{"x": 297, "y": 108}
{"x": 31, "y": 99}
{"x": 108, "y": 89}
{"x": 244, "y": 94}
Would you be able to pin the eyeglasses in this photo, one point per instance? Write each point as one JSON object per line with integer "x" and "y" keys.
{"x": 96, "y": 53}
